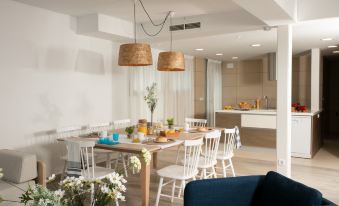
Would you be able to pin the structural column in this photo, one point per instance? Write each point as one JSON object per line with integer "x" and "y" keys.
{"x": 284, "y": 93}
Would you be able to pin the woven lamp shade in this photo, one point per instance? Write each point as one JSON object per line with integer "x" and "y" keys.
{"x": 136, "y": 54}
{"x": 171, "y": 61}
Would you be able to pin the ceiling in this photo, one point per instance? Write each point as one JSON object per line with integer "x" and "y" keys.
{"x": 227, "y": 28}
{"x": 124, "y": 8}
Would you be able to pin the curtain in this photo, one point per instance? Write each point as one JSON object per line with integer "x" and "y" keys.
{"x": 214, "y": 86}
{"x": 174, "y": 89}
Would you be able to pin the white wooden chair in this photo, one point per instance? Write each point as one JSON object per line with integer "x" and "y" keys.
{"x": 181, "y": 173}
{"x": 122, "y": 157}
{"x": 227, "y": 151}
{"x": 99, "y": 127}
{"x": 192, "y": 123}
{"x": 209, "y": 155}
{"x": 196, "y": 122}
{"x": 85, "y": 150}
{"x": 66, "y": 132}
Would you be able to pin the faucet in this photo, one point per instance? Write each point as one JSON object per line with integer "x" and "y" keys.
{"x": 266, "y": 102}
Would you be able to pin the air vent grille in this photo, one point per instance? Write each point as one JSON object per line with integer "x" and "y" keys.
{"x": 192, "y": 25}
{"x": 179, "y": 27}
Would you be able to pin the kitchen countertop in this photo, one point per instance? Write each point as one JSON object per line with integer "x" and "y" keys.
{"x": 267, "y": 112}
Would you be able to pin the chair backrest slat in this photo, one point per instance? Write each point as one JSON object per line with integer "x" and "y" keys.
{"x": 98, "y": 127}
{"x": 196, "y": 122}
{"x": 211, "y": 146}
{"x": 191, "y": 158}
{"x": 229, "y": 141}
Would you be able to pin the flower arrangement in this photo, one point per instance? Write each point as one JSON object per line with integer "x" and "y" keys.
{"x": 151, "y": 99}
{"x": 80, "y": 191}
{"x": 146, "y": 156}
{"x": 296, "y": 107}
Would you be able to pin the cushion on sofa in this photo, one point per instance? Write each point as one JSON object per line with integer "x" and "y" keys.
{"x": 281, "y": 191}
{"x": 18, "y": 167}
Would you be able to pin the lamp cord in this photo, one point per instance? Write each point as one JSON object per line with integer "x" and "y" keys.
{"x": 162, "y": 24}
{"x": 135, "y": 25}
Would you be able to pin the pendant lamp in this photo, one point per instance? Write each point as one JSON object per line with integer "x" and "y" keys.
{"x": 171, "y": 60}
{"x": 135, "y": 54}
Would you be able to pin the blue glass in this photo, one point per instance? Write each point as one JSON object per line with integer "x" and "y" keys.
{"x": 115, "y": 137}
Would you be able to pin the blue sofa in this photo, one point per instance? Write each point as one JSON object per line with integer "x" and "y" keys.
{"x": 270, "y": 190}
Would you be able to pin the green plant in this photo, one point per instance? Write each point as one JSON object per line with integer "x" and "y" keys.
{"x": 151, "y": 99}
{"x": 170, "y": 121}
{"x": 129, "y": 130}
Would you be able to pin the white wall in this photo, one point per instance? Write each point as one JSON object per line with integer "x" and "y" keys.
{"x": 51, "y": 77}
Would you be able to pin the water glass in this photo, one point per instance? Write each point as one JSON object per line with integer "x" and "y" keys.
{"x": 115, "y": 137}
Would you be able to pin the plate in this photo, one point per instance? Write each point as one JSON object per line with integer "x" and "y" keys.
{"x": 168, "y": 141}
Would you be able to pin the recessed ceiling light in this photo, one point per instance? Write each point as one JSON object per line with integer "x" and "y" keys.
{"x": 234, "y": 57}
{"x": 219, "y": 54}
{"x": 199, "y": 49}
{"x": 332, "y": 46}
{"x": 255, "y": 45}
{"x": 335, "y": 52}
{"x": 327, "y": 39}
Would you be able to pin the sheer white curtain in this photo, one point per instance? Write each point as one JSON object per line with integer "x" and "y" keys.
{"x": 175, "y": 92}
{"x": 214, "y": 86}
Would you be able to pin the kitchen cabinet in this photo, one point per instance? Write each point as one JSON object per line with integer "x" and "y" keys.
{"x": 258, "y": 129}
{"x": 301, "y": 136}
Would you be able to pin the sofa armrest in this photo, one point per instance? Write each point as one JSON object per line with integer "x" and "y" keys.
{"x": 41, "y": 179}
{"x": 213, "y": 192}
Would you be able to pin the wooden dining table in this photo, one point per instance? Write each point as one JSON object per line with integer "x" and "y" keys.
{"x": 153, "y": 148}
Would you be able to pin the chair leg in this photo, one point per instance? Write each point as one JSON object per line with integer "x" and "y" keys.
{"x": 182, "y": 188}
{"x": 178, "y": 153}
{"x": 232, "y": 168}
{"x": 214, "y": 172}
{"x": 124, "y": 165}
{"x": 64, "y": 170}
{"x": 223, "y": 168}
{"x": 159, "y": 191}
{"x": 173, "y": 190}
{"x": 205, "y": 174}
{"x": 202, "y": 174}
{"x": 108, "y": 161}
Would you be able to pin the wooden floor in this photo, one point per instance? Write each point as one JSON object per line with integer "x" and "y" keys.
{"x": 321, "y": 172}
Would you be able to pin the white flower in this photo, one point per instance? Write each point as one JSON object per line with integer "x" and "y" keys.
{"x": 59, "y": 193}
{"x": 135, "y": 163}
{"x": 51, "y": 178}
{"x": 146, "y": 155}
{"x": 105, "y": 189}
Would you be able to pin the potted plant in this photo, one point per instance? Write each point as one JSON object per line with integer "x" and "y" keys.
{"x": 129, "y": 131}
{"x": 170, "y": 122}
{"x": 151, "y": 99}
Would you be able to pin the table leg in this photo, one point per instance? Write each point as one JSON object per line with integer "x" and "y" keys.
{"x": 145, "y": 183}
{"x": 155, "y": 160}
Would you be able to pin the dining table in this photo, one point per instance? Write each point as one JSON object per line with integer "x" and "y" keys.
{"x": 153, "y": 147}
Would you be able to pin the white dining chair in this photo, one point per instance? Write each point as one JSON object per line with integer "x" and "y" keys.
{"x": 209, "y": 155}
{"x": 181, "y": 173}
{"x": 122, "y": 157}
{"x": 102, "y": 153}
{"x": 196, "y": 122}
{"x": 226, "y": 152}
{"x": 84, "y": 151}
{"x": 192, "y": 123}
{"x": 66, "y": 132}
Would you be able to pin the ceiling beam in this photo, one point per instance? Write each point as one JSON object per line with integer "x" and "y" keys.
{"x": 272, "y": 12}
